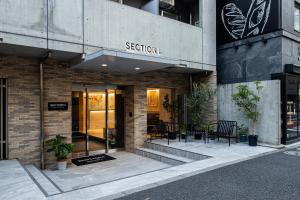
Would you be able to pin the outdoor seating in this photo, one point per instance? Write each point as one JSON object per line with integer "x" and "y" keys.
{"x": 225, "y": 129}
{"x": 158, "y": 130}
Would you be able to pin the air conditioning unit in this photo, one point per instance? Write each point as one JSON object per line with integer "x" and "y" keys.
{"x": 169, "y": 2}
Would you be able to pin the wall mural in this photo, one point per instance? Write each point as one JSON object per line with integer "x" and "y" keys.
{"x": 241, "y": 19}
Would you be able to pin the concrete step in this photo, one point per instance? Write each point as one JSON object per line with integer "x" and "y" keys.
{"x": 175, "y": 151}
{"x": 163, "y": 157}
{"x": 43, "y": 182}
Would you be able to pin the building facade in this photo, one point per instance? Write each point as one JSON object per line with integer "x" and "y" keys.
{"x": 97, "y": 72}
{"x": 260, "y": 40}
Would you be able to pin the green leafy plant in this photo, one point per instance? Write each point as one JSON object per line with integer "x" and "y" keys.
{"x": 60, "y": 149}
{"x": 171, "y": 107}
{"x": 183, "y": 129}
{"x": 243, "y": 130}
{"x": 199, "y": 103}
{"x": 247, "y": 100}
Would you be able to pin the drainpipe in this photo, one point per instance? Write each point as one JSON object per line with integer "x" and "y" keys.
{"x": 42, "y": 134}
{"x": 191, "y": 82}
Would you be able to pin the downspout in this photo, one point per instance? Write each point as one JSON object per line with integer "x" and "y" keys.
{"x": 42, "y": 134}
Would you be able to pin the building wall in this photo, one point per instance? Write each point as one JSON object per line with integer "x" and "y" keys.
{"x": 23, "y": 108}
{"x": 93, "y": 25}
{"x": 269, "y": 123}
{"x": 250, "y": 60}
{"x": 24, "y": 94}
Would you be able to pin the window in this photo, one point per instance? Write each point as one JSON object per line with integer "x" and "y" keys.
{"x": 297, "y": 18}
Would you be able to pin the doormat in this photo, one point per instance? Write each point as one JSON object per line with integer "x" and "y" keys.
{"x": 91, "y": 159}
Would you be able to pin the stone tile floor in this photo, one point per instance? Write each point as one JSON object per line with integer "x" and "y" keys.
{"x": 108, "y": 180}
{"x": 125, "y": 165}
{"x": 15, "y": 183}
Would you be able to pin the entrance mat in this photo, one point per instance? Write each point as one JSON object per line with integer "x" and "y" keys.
{"x": 91, "y": 159}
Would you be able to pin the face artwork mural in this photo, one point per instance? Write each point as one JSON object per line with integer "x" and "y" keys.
{"x": 246, "y": 18}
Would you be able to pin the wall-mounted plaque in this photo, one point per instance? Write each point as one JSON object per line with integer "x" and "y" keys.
{"x": 57, "y": 106}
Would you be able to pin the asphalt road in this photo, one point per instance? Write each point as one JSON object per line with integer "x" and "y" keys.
{"x": 272, "y": 177}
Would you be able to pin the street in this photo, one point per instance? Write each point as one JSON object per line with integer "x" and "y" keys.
{"x": 272, "y": 177}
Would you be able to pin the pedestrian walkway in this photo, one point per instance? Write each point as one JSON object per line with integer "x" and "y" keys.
{"x": 15, "y": 182}
{"x": 125, "y": 175}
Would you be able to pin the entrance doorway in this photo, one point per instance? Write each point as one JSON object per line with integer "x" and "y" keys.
{"x": 3, "y": 120}
{"x": 97, "y": 118}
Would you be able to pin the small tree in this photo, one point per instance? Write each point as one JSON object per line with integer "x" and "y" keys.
{"x": 247, "y": 101}
{"x": 199, "y": 103}
{"x": 171, "y": 107}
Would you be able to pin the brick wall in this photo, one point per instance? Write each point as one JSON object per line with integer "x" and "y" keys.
{"x": 23, "y": 108}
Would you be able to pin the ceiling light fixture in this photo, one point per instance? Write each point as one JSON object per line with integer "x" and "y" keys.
{"x": 137, "y": 68}
{"x": 104, "y": 65}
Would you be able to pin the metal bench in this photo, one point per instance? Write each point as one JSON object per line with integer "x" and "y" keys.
{"x": 225, "y": 129}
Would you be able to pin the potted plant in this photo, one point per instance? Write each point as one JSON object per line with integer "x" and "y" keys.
{"x": 247, "y": 100}
{"x": 61, "y": 150}
{"x": 112, "y": 138}
{"x": 183, "y": 131}
{"x": 243, "y": 133}
{"x": 199, "y": 102}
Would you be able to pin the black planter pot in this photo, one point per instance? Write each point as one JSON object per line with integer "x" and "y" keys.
{"x": 183, "y": 136}
{"x": 252, "y": 139}
{"x": 112, "y": 145}
{"x": 172, "y": 135}
{"x": 198, "y": 136}
{"x": 243, "y": 138}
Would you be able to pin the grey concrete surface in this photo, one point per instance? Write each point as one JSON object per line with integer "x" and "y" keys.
{"x": 15, "y": 183}
{"x": 272, "y": 177}
{"x": 93, "y": 25}
{"x": 268, "y": 126}
{"x": 126, "y": 165}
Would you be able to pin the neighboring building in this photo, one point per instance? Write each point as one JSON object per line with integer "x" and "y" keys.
{"x": 260, "y": 40}
{"x": 97, "y": 71}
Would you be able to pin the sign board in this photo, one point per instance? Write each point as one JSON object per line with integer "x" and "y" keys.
{"x": 57, "y": 106}
{"x": 142, "y": 48}
{"x": 240, "y": 19}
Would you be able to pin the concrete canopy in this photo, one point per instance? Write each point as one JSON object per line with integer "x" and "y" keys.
{"x": 130, "y": 63}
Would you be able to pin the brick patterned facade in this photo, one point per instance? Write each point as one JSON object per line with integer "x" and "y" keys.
{"x": 24, "y": 93}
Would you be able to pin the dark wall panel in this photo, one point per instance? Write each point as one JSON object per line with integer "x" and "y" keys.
{"x": 240, "y": 19}
{"x": 250, "y": 63}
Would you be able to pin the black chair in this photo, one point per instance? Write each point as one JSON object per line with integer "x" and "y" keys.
{"x": 225, "y": 129}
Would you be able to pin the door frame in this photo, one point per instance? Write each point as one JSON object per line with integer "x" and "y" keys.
{"x": 95, "y": 87}
{"x": 3, "y": 119}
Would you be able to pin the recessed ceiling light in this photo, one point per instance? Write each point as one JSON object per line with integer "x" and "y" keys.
{"x": 137, "y": 68}
{"x": 104, "y": 65}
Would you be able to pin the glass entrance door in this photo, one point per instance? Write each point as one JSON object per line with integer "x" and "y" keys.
{"x": 94, "y": 119}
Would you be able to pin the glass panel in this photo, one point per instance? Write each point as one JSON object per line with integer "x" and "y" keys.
{"x": 120, "y": 119}
{"x": 297, "y": 19}
{"x": 94, "y": 118}
{"x": 292, "y": 128}
{"x": 160, "y": 110}
{"x": 112, "y": 132}
{"x": 97, "y": 120}
{"x": 79, "y": 121}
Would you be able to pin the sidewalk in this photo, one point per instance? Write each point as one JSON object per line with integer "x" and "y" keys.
{"x": 15, "y": 183}
{"x": 18, "y": 184}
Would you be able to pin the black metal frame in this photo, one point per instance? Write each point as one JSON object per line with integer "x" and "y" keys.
{"x": 3, "y": 119}
{"x": 291, "y": 73}
{"x": 225, "y": 129}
